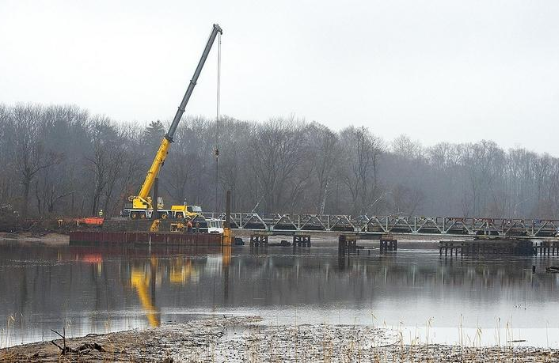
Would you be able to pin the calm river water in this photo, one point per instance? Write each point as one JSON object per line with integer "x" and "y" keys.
{"x": 427, "y": 298}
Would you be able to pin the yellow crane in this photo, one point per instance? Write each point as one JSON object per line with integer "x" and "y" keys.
{"x": 141, "y": 205}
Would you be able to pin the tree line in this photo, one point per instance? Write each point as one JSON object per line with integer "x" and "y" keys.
{"x": 63, "y": 161}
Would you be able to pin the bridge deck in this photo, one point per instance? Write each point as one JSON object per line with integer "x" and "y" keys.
{"x": 292, "y": 223}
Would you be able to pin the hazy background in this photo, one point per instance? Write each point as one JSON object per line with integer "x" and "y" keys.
{"x": 455, "y": 71}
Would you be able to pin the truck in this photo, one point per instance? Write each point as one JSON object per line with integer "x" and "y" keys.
{"x": 179, "y": 211}
{"x": 141, "y": 206}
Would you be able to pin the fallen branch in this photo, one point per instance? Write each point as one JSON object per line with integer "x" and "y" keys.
{"x": 64, "y": 349}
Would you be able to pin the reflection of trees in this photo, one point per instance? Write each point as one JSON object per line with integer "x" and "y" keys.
{"x": 308, "y": 279}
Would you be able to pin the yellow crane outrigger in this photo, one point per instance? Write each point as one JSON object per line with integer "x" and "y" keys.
{"x": 142, "y": 204}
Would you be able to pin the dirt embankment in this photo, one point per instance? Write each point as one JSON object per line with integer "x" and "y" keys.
{"x": 242, "y": 339}
{"x": 48, "y": 231}
{"x": 35, "y": 227}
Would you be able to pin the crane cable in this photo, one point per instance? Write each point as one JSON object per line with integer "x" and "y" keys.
{"x": 216, "y": 151}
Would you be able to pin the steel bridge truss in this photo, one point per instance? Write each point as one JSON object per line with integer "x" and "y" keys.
{"x": 393, "y": 224}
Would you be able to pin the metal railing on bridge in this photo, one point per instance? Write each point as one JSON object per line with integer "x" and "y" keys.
{"x": 393, "y": 224}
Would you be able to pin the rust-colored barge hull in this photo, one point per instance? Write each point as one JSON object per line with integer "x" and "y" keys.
{"x": 132, "y": 238}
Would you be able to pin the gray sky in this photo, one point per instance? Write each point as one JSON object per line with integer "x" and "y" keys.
{"x": 444, "y": 70}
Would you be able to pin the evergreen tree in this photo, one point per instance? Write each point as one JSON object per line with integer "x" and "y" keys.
{"x": 152, "y": 135}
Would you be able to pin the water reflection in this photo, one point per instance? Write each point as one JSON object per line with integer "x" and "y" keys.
{"x": 143, "y": 281}
{"x": 92, "y": 290}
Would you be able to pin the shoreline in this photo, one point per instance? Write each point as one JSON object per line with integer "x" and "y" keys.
{"x": 239, "y": 339}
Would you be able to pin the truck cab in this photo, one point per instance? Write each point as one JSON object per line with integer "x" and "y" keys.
{"x": 186, "y": 211}
{"x": 215, "y": 225}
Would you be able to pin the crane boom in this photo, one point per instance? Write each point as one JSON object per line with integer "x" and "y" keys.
{"x": 216, "y": 29}
{"x": 142, "y": 199}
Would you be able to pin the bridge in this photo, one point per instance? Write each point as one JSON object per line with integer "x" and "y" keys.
{"x": 459, "y": 226}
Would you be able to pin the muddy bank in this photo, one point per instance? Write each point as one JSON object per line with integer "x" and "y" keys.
{"x": 240, "y": 339}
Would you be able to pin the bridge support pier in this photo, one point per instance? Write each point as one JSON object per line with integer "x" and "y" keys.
{"x": 547, "y": 248}
{"x": 388, "y": 243}
{"x": 301, "y": 241}
{"x": 448, "y": 246}
{"x": 258, "y": 240}
{"x": 347, "y": 244}
{"x": 482, "y": 247}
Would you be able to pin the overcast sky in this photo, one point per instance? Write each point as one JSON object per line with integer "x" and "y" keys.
{"x": 444, "y": 70}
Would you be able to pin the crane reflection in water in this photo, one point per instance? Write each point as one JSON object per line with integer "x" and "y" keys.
{"x": 180, "y": 271}
{"x": 142, "y": 280}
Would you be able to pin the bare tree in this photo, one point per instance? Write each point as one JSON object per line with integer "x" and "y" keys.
{"x": 32, "y": 156}
{"x": 483, "y": 162}
{"x": 277, "y": 148}
{"x": 406, "y": 200}
{"x": 325, "y": 155}
{"x": 359, "y": 167}
{"x": 104, "y": 160}
{"x": 7, "y": 150}
{"x": 279, "y": 166}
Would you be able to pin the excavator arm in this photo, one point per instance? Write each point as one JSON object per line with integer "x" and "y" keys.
{"x": 142, "y": 200}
